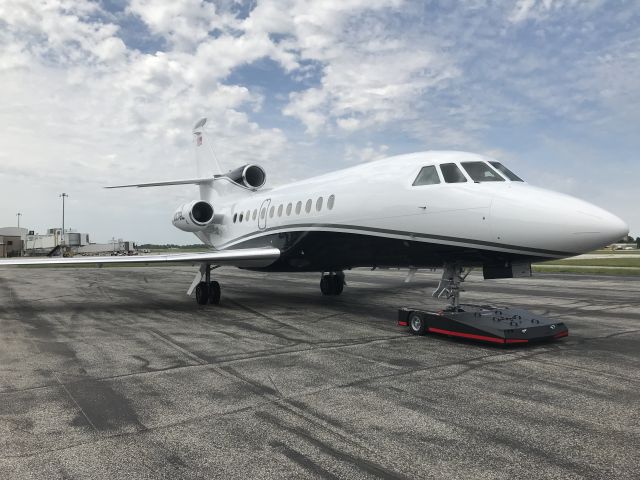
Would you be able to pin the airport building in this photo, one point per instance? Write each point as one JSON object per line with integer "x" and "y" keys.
{"x": 12, "y": 241}
{"x": 15, "y": 242}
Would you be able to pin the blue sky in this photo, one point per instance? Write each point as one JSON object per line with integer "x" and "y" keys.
{"x": 95, "y": 93}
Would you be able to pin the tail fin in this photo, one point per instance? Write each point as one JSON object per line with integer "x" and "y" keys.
{"x": 206, "y": 161}
{"x": 207, "y": 167}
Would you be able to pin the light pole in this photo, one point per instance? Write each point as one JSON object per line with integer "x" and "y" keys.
{"x": 63, "y": 195}
{"x": 18, "y": 215}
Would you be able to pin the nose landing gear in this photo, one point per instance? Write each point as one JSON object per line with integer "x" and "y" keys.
{"x": 484, "y": 323}
{"x": 332, "y": 283}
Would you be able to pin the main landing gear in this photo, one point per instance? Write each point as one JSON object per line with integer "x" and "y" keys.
{"x": 207, "y": 291}
{"x": 332, "y": 283}
{"x": 500, "y": 325}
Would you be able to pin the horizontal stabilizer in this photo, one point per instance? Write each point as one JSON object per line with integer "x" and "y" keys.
{"x": 245, "y": 257}
{"x": 192, "y": 181}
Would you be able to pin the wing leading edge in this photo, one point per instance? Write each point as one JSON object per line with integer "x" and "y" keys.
{"x": 247, "y": 257}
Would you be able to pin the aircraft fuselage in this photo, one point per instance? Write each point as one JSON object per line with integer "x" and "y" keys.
{"x": 373, "y": 215}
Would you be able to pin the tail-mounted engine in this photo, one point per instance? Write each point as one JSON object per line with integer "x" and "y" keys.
{"x": 193, "y": 216}
{"x": 248, "y": 176}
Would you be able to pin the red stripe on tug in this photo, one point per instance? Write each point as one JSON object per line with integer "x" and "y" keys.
{"x": 474, "y": 336}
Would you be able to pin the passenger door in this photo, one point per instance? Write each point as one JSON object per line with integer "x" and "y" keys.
{"x": 263, "y": 214}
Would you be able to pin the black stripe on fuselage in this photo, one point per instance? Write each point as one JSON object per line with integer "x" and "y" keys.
{"x": 322, "y": 250}
{"x": 539, "y": 252}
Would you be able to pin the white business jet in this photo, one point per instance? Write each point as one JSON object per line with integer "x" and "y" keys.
{"x": 430, "y": 209}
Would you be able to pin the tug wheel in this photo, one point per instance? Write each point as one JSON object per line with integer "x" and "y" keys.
{"x": 417, "y": 324}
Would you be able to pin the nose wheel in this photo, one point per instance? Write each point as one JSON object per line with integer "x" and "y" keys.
{"x": 332, "y": 283}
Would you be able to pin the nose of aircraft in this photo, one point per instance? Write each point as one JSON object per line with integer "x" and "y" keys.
{"x": 537, "y": 218}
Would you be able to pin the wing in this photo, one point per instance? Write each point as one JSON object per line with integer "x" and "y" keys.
{"x": 246, "y": 257}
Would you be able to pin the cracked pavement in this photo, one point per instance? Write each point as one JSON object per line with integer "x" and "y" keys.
{"x": 112, "y": 373}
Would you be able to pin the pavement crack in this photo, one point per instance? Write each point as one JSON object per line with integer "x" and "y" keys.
{"x": 84, "y": 414}
{"x": 167, "y": 340}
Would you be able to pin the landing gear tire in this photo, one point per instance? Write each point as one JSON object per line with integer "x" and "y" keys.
{"x": 338, "y": 285}
{"x": 214, "y": 293}
{"x": 332, "y": 284}
{"x": 202, "y": 293}
{"x": 417, "y": 324}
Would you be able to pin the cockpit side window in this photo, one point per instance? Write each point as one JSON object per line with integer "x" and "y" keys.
{"x": 451, "y": 173}
{"x": 481, "y": 172}
{"x": 506, "y": 172}
{"x": 427, "y": 176}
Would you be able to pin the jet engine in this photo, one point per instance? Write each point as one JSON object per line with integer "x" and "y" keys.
{"x": 193, "y": 216}
{"x": 249, "y": 176}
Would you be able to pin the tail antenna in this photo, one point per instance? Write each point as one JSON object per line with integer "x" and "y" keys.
{"x": 206, "y": 159}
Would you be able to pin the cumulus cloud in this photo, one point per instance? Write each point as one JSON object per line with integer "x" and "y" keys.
{"x": 86, "y": 100}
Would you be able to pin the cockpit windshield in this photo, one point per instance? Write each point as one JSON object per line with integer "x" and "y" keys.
{"x": 506, "y": 172}
{"x": 481, "y": 172}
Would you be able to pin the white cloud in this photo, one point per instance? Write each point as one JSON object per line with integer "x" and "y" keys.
{"x": 81, "y": 104}
{"x": 368, "y": 153}
{"x": 370, "y": 75}
{"x": 81, "y": 110}
{"x": 184, "y": 23}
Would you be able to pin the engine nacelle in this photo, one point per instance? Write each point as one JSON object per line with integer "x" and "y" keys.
{"x": 193, "y": 216}
{"x": 249, "y": 176}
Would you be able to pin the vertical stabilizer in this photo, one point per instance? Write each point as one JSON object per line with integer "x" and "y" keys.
{"x": 206, "y": 162}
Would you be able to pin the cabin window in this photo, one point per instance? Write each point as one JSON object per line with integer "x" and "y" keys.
{"x": 289, "y": 209}
{"x": 451, "y": 173}
{"x": 331, "y": 201}
{"x": 263, "y": 213}
{"x": 298, "y": 208}
{"x": 427, "y": 176}
{"x": 481, "y": 172}
{"x": 247, "y": 216}
{"x": 307, "y": 208}
{"x": 319, "y": 204}
{"x": 271, "y": 211}
{"x": 240, "y": 219}
{"x": 280, "y": 210}
{"x": 506, "y": 172}
{"x": 255, "y": 214}
{"x": 235, "y": 217}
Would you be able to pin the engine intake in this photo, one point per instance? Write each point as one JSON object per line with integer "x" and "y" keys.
{"x": 193, "y": 216}
{"x": 250, "y": 176}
